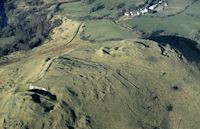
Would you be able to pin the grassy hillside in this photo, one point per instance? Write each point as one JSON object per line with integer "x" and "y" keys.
{"x": 118, "y": 84}
{"x": 100, "y": 70}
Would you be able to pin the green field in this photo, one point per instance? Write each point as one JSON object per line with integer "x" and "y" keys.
{"x": 77, "y": 9}
{"x": 194, "y": 9}
{"x": 108, "y": 9}
{"x": 184, "y": 24}
{"x": 175, "y": 6}
{"x": 180, "y": 24}
{"x": 114, "y": 3}
{"x": 100, "y": 30}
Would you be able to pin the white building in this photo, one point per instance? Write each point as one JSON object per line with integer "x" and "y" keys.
{"x": 138, "y": 13}
{"x": 135, "y": 13}
{"x": 126, "y": 14}
{"x": 152, "y": 7}
{"x": 131, "y": 13}
{"x": 31, "y": 87}
{"x": 143, "y": 11}
{"x": 166, "y": 4}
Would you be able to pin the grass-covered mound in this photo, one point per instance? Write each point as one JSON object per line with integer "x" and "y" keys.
{"x": 118, "y": 84}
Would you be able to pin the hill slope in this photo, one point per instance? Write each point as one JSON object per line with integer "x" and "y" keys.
{"x": 96, "y": 73}
{"x": 118, "y": 84}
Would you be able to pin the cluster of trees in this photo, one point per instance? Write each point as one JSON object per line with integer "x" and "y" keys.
{"x": 29, "y": 27}
{"x": 3, "y": 17}
{"x": 33, "y": 2}
{"x": 196, "y": 36}
{"x": 96, "y": 7}
{"x": 151, "y": 2}
{"x": 117, "y": 9}
{"x": 28, "y": 33}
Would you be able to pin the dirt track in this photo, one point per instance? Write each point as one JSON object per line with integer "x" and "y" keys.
{"x": 51, "y": 48}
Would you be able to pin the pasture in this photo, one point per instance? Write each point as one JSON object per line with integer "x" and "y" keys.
{"x": 101, "y": 30}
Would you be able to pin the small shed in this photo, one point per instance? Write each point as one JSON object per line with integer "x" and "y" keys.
{"x": 127, "y": 14}
{"x": 143, "y": 11}
{"x": 152, "y": 7}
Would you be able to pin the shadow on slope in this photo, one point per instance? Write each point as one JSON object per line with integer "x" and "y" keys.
{"x": 3, "y": 17}
{"x": 187, "y": 47}
{"x": 27, "y": 28}
{"x": 45, "y": 93}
